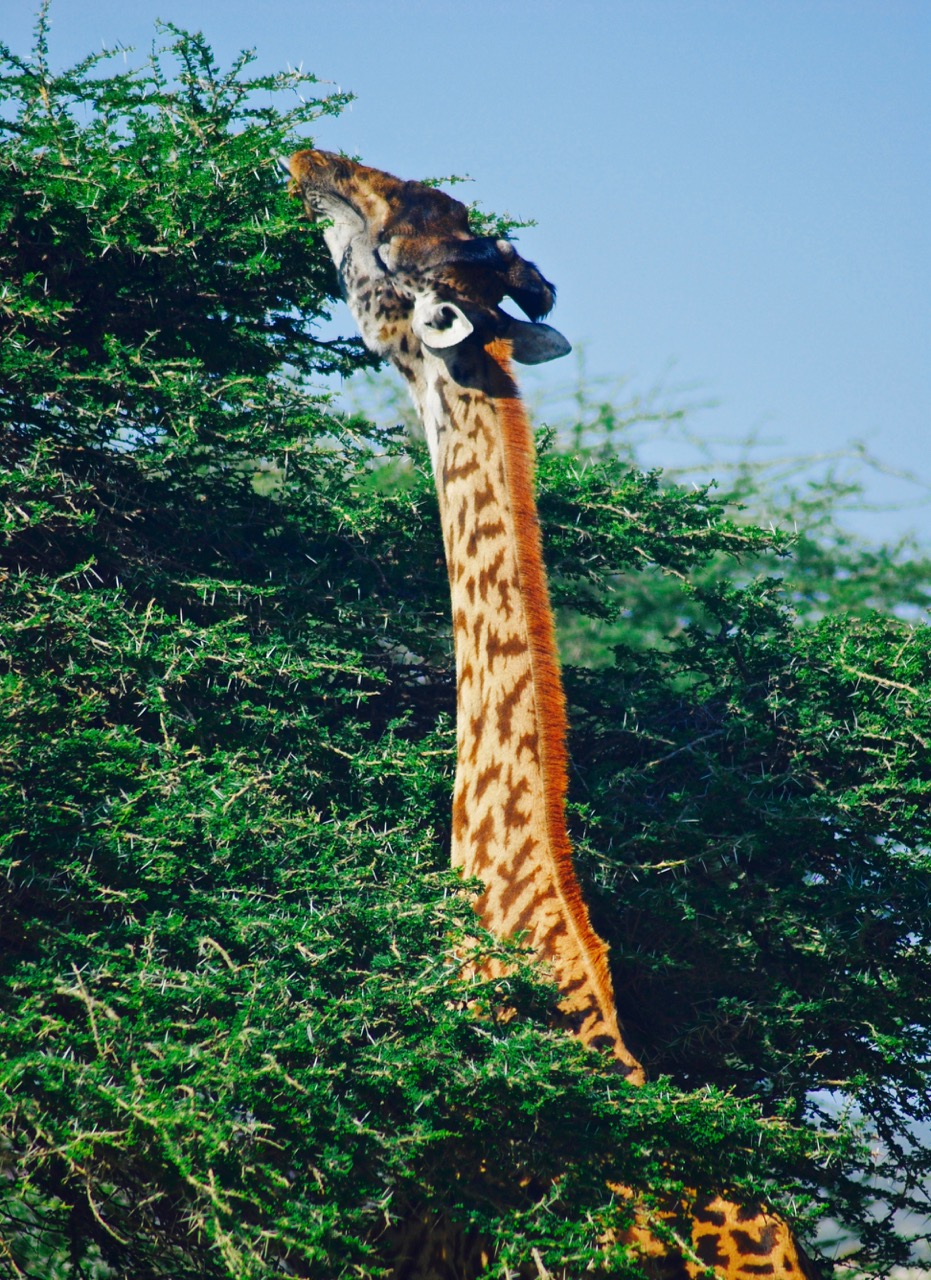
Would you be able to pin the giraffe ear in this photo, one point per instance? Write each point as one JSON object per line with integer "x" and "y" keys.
{"x": 535, "y": 343}
{"x": 440, "y": 324}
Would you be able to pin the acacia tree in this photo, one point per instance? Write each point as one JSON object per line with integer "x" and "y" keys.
{"x": 236, "y": 1040}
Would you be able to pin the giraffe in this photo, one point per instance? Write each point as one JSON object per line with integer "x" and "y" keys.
{"x": 426, "y": 293}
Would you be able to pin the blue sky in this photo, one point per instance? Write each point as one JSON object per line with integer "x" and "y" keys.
{"x": 733, "y": 196}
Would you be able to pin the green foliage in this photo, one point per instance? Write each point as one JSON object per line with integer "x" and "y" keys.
{"x": 236, "y": 1040}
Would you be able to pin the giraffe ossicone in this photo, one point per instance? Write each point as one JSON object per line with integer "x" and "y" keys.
{"x": 427, "y": 294}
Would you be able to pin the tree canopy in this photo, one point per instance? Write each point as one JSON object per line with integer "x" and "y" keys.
{"x": 236, "y": 1040}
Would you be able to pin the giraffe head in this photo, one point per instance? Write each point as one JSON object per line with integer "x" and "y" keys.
{"x": 416, "y": 279}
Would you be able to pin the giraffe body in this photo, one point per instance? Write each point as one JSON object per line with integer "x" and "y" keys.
{"x": 427, "y": 294}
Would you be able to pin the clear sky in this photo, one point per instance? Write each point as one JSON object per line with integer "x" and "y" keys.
{"x": 732, "y": 195}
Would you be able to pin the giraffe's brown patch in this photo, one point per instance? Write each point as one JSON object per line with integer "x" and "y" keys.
{"x": 747, "y": 1213}
{"x": 575, "y": 1020}
{"x": 759, "y": 1248}
{"x": 462, "y": 517}
{"x": 511, "y": 646}
{"x": 547, "y": 944}
{"x": 515, "y": 888}
{"x": 529, "y": 742}
{"x": 703, "y": 1214}
{"x": 481, "y": 428}
{"x": 758, "y": 1268}
{"x": 489, "y": 574}
{"x": 508, "y": 704}
{"x": 523, "y": 853}
{"x": 453, "y": 472}
{"x": 601, "y": 1042}
{"x": 482, "y": 531}
{"x": 482, "y": 837}
{"x": 477, "y": 726}
{"x": 470, "y": 589}
{"x": 670, "y": 1266}
{"x": 440, "y": 392}
{"x": 706, "y": 1247}
{"x": 460, "y": 817}
{"x": 526, "y": 916}
{"x": 485, "y": 778}
{"x": 483, "y": 499}
{"x": 512, "y": 814}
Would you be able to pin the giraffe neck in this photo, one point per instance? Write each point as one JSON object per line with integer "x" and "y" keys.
{"x": 509, "y": 826}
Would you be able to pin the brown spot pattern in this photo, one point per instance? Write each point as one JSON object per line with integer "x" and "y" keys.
{"x": 758, "y": 1246}
{"x": 707, "y": 1249}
